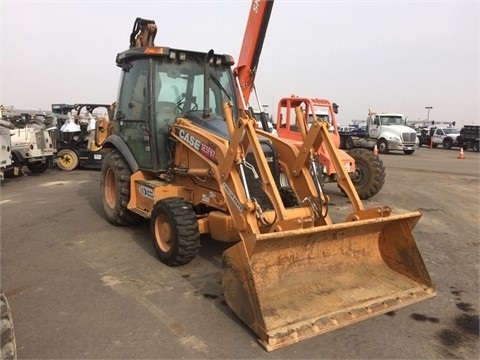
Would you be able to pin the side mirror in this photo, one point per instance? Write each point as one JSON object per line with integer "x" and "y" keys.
{"x": 335, "y": 108}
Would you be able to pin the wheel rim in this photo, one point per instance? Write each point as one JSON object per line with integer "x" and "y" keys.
{"x": 349, "y": 143}
{"x": 110, "y": 188}
{"x": 358, "y": 177}
{"x": 382, "y": 146}
{"x": 163, "y": 233}
{"x": 67, "y": 159}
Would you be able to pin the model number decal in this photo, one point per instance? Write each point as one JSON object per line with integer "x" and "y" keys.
{"x": 146, "y": 192}
{"x": 206, "y": 149}
{"x": 189, "y": 139}
{"x": 232, "y": 196}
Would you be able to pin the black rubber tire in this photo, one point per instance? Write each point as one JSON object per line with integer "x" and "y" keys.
{"x": 8, "y": 345}
{"x": 10, "y": 173}
{"x": 288, "y": 197}
{"x": 175, "y": 233}
{"x": 447, "y": 143}
{"x": 348, "y": 143}
{"x": 369, "y": 175}
{"x": 67, "y": 159}
{"x": 38, "y": 167}
{"x": 115, "y": 189}
{"x": 408, "y": 152}
{"x": 382, "y": 146}
{"x": 476, "y": 146}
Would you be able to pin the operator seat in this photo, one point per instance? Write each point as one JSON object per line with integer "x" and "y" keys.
{"x": 167, "y": 112}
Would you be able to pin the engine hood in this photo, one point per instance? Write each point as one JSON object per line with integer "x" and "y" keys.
{"x": 399, "y": 129}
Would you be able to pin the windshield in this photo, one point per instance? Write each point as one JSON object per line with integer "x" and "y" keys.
{"x": 181, "y": 85}
{"x": 321, "y": 114}
{"x": 391, "y": 120}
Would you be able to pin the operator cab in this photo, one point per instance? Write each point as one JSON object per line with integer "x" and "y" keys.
{"x": 160, "y": 84}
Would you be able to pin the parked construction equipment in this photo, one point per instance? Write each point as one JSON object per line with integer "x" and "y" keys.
{"x": 184, "y": 151}
{"x": 75, "y": 142}
{"x": 5, "y": 148}
{"x": 31, "y": 143}
{"x": 366, "y": 170}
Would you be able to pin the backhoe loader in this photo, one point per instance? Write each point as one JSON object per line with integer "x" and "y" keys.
{"x": 182, "y": 152}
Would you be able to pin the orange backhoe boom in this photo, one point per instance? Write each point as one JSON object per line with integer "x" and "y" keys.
{"x": 251, "y": 48}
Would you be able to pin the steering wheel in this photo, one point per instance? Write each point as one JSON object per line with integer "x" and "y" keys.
{"x": 181, "y": 104}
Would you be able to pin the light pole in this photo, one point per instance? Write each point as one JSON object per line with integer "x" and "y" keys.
{"x": 428, "y": 112}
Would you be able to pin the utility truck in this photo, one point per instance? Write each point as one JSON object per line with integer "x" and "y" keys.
{"x": 447, "y": 137}
{"x": 387, "y": 131}
{"x": 5, "y": 148}
{"x": 31, "y": 142}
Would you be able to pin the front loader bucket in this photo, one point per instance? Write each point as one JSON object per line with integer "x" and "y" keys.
{"x": 302, "y": 283}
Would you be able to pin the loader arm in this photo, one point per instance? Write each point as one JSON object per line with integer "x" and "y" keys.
{"x": 227, "y": 168}
{"x": 318, "y": 134}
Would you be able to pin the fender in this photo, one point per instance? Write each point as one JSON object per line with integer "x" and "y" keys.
{"x": 115, "y": 141}
{"x": 17, "y": 158}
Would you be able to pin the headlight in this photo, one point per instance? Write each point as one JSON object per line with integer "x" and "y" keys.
{"x": 395, "y": 138}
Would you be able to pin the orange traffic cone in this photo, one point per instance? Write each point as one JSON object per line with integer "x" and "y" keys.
{"x": 461, "y": 155}
{"x": 375, "y": 150}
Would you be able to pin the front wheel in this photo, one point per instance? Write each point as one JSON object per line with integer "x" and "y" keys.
{"x": 8, "y": 343}
{"x": 38, "y": 167}
{"x": 447, "y": 144}
{"x": 382, "y": 146}
{"x": 67, "y": 159}
{"x": 115, "y": 189}
{"x": 175, "y": 233}
{"x": 369, "y": 175}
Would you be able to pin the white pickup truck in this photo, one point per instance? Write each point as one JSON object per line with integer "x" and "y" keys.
{"x": 447, "y": 137}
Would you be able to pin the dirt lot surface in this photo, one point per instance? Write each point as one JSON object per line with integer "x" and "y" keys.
{"x": 81, "y": 288}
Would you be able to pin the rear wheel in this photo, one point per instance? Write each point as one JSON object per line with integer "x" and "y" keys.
{"x": 348, "y": 143}
{"x": 115, "y": 189}
{"x": 476, "y": 146}
{"x": 369, "y": 175}
{"x": 67, "y": 159}
{"x": 174, "y": 228}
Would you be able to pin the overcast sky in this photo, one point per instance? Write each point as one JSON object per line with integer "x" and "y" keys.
{"x": 390, "y": 56}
